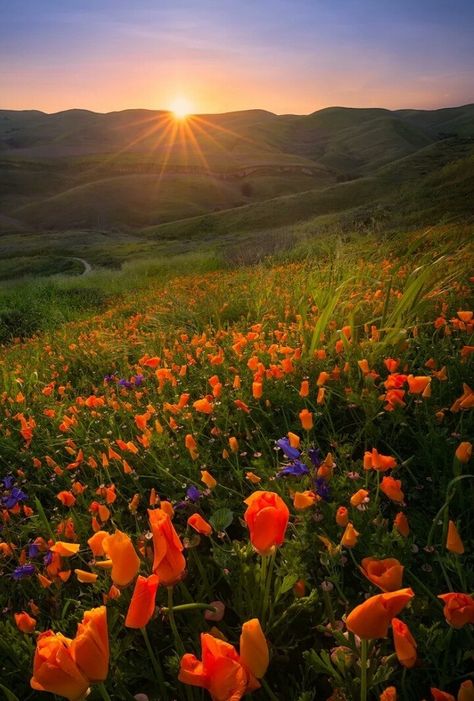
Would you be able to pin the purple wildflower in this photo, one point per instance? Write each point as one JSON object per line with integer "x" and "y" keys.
{"x": 284, "y": 445}
{"x": 294, "y": 469}
{"x": 193, "y": 493}
{"x": 23, "y": 571}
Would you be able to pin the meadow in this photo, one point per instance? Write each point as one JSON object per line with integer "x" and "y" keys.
{"x": 222, "y": 480}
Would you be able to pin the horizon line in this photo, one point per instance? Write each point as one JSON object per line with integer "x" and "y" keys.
{"x": 249, "y": 109}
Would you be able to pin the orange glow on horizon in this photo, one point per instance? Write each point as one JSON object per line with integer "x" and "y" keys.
{"x": 181, "y": 108}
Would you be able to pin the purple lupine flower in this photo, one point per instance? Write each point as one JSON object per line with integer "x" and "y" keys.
{"x": 33, "y": 550}
{"x": 193, "y": 493}
{"x": 23, "y": 571}
{"x": 48, "y": 558}
{"x": 8, "y": 481}
{"x": 11, "y": 500}
{"x": 109, "y": 378}
{"x": 125, "y": 383}
{"x": 138, "y": 380}
{"x": 284, "y": 445}
{"x": 294, "y": 469}
{"x": 315, "y": 456}
{"x": 322, "y": 488}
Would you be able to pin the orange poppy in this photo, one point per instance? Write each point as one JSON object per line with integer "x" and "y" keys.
{"x": 168, "y": 562}
{"x": 371, "y": 618}
{"x": 405, "y": 645}
{"x": 266, "y": 518}
{"x": 458, "y": 608}
{"x": 142, "y": 604}
{"x": 386, "y": 574}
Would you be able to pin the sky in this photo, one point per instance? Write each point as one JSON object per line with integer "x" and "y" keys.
{"x": 286, "y": 56}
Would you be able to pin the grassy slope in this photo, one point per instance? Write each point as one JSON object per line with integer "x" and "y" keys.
{"x": 108, "y": 208}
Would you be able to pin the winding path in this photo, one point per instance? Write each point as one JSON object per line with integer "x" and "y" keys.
{"x": 87, "y": 266}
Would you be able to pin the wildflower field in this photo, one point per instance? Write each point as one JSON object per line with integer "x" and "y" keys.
{"x": 253, "y": 481}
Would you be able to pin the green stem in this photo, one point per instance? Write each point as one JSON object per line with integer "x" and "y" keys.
{"x": 42, "y": 515}
{"x": 363, "y": 670}
{"x": 103, "y": 692}
{"x": 424, "y": 587}
{"x": 177, "y": 638}
{"x": 266, "y": 591}
{"x": 270, "y": 693}
{"x": 190, "y": 607}
{"x": 155, "y": 664}
{"x": 174, "y": 629}
{"x": 328, "y": 607}
{"x": 202, "y": 572}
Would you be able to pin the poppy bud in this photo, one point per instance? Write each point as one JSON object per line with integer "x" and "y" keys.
{"x": 389, "y": 694}
{"x": 342, "y": 516}
{"x": 453, "y": 542}
{"x": 405, "y": 645}
{"x": 439, "y": 695}
{"x": 254, "y": 648}
{"x": 349, "y": 537}
{"x": 466, "y": 691}
{"x": 142, "y": 603}
{"x": 208, "y": 479}
{"x": 464, "y": 452}
{"x": 359, "y": 497}
{"x": 199, "y": 524}
{"x": 401, "y": 524}
{"x": 306, "y": 418}
{"x": 168, "y": 563}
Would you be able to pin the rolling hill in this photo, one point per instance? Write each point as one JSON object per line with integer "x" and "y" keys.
{"x": 79, "y": 182}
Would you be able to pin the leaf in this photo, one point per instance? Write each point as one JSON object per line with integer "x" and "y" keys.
{"x": 221, "y": 519}
{"x": 288, "y": 581}
{"x": 9, "y": 695}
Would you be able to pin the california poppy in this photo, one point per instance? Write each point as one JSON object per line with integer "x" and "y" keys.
{"x": 142, "y": 603}
{"x": 386, "y": 574}
{"x": 371, "y": 618}
{"x": 458, "y": 608}
{"x": 453, "y": 542}
{"x": 168, "y": 562}
{"x": 55, "y": 670}
{"x": 125, "y": 561}
{"x": 439, "y": 695}
{"x": 405, "y": 645}
{"x": 199, "y": 524}
{"x": 90, "y": 647}
{"x": 266, "y": 518}
{"x": 392, "y": 489}
{"x": 25, "y": 622}
{"x": 349, "y": 537}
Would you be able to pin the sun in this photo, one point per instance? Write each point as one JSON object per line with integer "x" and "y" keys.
{"x": 180, "y": 107}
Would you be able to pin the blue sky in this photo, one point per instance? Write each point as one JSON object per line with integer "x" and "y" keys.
{"x": 220, "y": 55}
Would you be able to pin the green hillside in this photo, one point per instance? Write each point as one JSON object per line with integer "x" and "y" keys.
{"x": 136, "y": 184}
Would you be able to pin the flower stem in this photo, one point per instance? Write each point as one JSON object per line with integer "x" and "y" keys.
{"x": 103, "y": 692}
{"x": 189, "y": 607}
{"x": 267, "y": 587}
{"x": 270, "y": 693}
{"x": 174, "y": 630}
{"x": 155, "y": 664}
{"x": 363, "y": 670}
{"x": 177, "y": 638}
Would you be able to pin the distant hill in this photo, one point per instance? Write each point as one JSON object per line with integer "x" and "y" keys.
{"x": 141, "y": 176}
